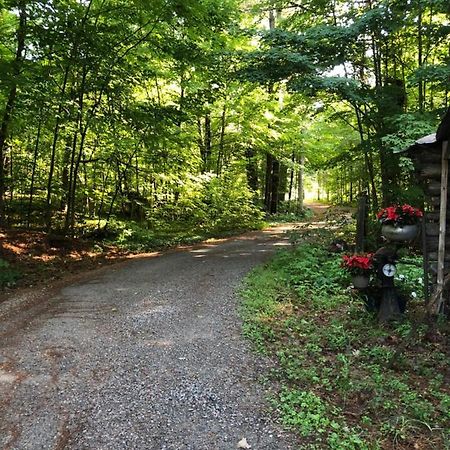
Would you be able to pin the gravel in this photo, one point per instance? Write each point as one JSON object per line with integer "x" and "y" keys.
{"x": 146, "y": 355}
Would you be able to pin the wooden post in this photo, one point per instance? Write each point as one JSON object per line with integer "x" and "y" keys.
{"x": 442, "y": 229}
{"x": 361, "y": 223}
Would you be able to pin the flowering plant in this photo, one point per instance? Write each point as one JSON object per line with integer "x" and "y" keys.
{"x": 358, "y": 264}
{"x": 399, "y": 215}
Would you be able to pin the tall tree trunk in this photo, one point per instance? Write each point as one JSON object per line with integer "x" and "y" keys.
{"x": 252, "y": 170}
{"x": 73, "y": 55}
{"x": 367, "y": 159}
{"x": 420, "y": 86}
{"x": 208, "y": 142}
{"x": 275, "y": 187}
{"x": 65, "y": 172}
{"x": 283, "y": 183}
{"x": 73, "y": 190}
{"x": 201, "y": 143}
{"x": 69, "y": 191}
{"x": 291, "y": 181}
{"x": 11, "y": 100}
{"x": 33, "y": 172}
{"x": 102, "y": 198}
{"x": 268, "y": 181}
{"x": 53, "y": 152}
{"x": 300, "y": 184}
{"x": 223, "y": 123}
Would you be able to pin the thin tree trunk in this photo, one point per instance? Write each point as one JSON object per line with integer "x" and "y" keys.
{"x": 291, "y": 182}
{"x": 268, "y": 181}
{"x": 252, "y": 170}
{"x": 11, "y": 100}
{"x": 208, "y": 142}
{"x": 69, "y": 192}
{"x": 283, "y": 183}
{"x": 102, "y": 199}
{"x": 223, "y": 124}
{"x": 275, "y": 187}
{"x": 11, "y": 175}
{"x": 420, "y": 86}
{"x": 300, "y": 185}
{"x": 367, "y": 160}
{"x": 75, "y": 182}
{"x": 54, "y": 146}
{"x": 201, "y": 143}
{"x": 33, "y": 172}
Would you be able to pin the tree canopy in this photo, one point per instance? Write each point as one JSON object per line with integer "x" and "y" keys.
{"x": 206, "y": 111}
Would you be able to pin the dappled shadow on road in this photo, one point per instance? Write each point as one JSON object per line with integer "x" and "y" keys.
{"x": 267, "y": 241}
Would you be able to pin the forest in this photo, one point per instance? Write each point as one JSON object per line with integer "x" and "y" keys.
{"x": 206, "y": 113}
{"x": 131, "y": 126}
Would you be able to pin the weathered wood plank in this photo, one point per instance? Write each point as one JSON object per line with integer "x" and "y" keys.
{"x": 442, "y": 229}
{"x": 433, "y": 256}
{"x": 430, "y": 171}
{"x": 427, "y": 156}
{"x": 433, "y": 216}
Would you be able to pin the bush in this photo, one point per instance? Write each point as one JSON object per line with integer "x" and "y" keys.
{"x": 210, "y": 202}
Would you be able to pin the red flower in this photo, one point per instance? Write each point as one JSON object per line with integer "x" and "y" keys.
{"x": 399, "y": 215}
{"x": 357, "y": 264}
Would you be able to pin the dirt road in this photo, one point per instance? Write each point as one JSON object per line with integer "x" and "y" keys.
{"x": 144, "y": 355}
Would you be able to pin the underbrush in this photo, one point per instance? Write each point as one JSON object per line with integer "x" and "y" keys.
{"x": 137, "y": 237}
{"x": 288, "y": 212}
{"x": 342, "y": 381}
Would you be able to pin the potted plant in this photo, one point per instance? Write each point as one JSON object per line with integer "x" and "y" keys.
{"x": 359, "y": 267}
{"x": 400, "y": 222}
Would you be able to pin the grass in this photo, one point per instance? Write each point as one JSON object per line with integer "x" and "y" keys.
{"x": 341, "y": 381}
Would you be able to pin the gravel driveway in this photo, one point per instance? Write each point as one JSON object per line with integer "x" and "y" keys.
{"x": 144, "y": 355}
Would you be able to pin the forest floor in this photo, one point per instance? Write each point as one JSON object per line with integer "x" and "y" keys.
{"x": 34, "y": 258}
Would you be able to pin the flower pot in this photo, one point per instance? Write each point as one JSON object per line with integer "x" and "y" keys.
{"x": 360, "y": 281}
{"x": 400, "y": 233}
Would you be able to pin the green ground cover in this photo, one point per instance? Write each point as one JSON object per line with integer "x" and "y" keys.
{"x": 342, "y": 381}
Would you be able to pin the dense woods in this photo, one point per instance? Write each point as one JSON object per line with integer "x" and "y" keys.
{"x": 206, "y": 112}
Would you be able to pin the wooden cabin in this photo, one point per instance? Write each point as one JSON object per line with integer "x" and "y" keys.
{"x": 430, "y": 158}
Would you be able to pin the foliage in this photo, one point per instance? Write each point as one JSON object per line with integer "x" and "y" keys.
{"x": 351, "y": 53}
{"x": 341, "y": 380}
{"x": 150, "y": 110}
